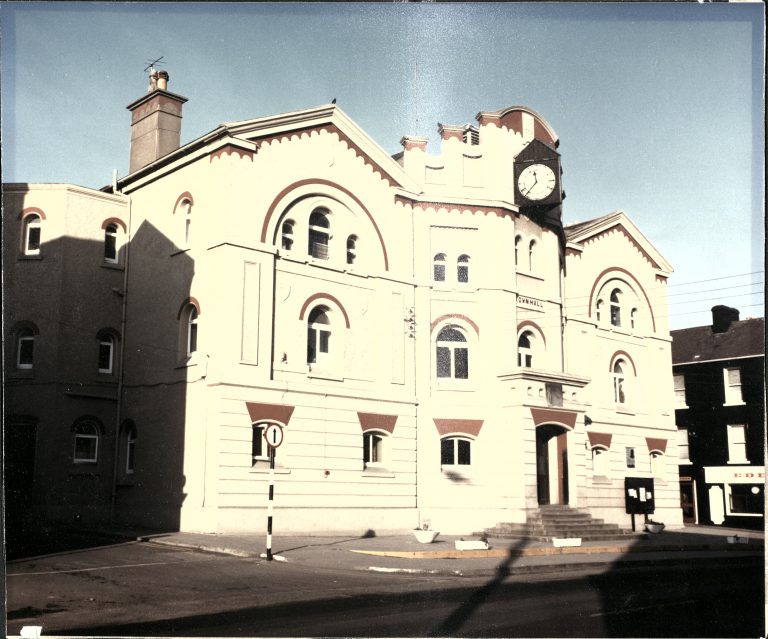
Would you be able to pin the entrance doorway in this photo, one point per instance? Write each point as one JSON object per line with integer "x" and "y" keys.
{"x": 552, "y": 464}
{"x": 688, "y": 500}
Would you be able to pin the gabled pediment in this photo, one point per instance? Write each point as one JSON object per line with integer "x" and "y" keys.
{"x": 618, "y": 221}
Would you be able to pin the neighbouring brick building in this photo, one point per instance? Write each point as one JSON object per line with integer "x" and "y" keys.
{"x": 719, "y": 376}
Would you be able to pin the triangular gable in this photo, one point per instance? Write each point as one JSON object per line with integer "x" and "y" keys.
{"x": 332, "y": 119}
{"x": 617, "y": 221}
{"x": 246, "y": 135}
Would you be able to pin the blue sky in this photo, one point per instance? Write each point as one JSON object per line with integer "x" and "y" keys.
{"x": 658, "y": 106}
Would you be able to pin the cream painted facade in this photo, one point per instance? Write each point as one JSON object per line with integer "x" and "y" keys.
{"x": 286, "y": 270}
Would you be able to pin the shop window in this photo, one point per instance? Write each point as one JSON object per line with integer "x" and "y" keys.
{"x": 374, "y": 443}
{"x": 747, "y": 499}
{"x": 732, "y": 382}
{"x": 286, "y": 240}
{"x": 319, "y": 234}
{"x": 32, "y": 233}
{"x": 455, "y": 451}
{"x": 25, "y": 349}
{"x": 462, "y": 269}
{"x": 452, "y": 353}
{"x": 679, "y": 381}
{"x": 351, "y": 249}
{"x": 319, "y": 337}
{"x": 737, "y": 444}
{"x": 86, "y": 442}
{"x": 525, "y": 350}
{"x": 439, "y": 267}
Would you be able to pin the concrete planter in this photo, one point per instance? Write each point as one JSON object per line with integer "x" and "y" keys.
{"x": 425, "y": 536}
{"x": 566, "y": 542}
{"x": 472, "y": 544}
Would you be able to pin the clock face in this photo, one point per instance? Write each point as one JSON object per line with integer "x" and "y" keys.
{"x": 536, "y": 182}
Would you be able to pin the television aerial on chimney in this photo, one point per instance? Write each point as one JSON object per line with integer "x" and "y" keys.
{"x": 152, "y": 73}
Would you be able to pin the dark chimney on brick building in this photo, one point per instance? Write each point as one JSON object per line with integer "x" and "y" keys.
{"x": 155, "y": 122}
{"x": 722, "y": 317}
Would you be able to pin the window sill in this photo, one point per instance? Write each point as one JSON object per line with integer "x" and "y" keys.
{"x": 456, "y": 385}
{"x": 21, "y": 373}
{"x": 739, "y": 403}
{"x": 377, "y": 472}
{"x": 112, "y": 267}
{"x": 624, "y": 411}
{"x": 264, "y": 470}
{"x": 743, "y": 462}
{"x": 30, "y": 257}
{"x": 324, "y": 375}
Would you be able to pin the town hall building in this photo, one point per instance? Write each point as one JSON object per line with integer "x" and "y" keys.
{"x": 434, "y": 344}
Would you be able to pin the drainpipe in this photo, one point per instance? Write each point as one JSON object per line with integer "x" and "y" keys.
{"x": 121, "y": 367}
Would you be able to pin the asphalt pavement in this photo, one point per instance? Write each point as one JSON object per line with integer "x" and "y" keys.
{"x": 404, "y": 554}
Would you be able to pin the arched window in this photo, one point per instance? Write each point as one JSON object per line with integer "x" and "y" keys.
{"x": 127, "y": 452}
{"x": 518, "y": 241}
{"x": 600, "y": 461}
{"x": 351, "y": 249}
{"x": 86, "y": 442}
{"x": 455, "y": 451}
{"x": 287, "y": 235}
{"x": 599, "y": 311}
{"x": 318, "y": 336}
{"x": 452, "y": 353}
{"x": 259, "y": 448}
{"x": 25, "y": 349}
{"x": 525, "y": 350}
{"x": 319, "y": 234}
{"x": 374, "y": 448}
{"x": 185, "y": 208}
{"x": 192, "y": 330}
{"x": 439, "y": 267}
{"x": 32, "y": 234}
{"x": 531, "y": 251}
{"x": 106, "y": 353}
{"x": 110, "y": 244}
{"x": 633, "y": 319}
{"x": 657, "y": 463}
{"x": 462, "y": 269}
{"x": 619, "y": 381}
{"x": 615, "y": 307}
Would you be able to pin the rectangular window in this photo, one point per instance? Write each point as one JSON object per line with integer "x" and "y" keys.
{"x": 732, "y": 381}
{"x": 33, "y": 239}
{"x": 443, "y": 361}
{"x": 258, "y": 445}
{"x": 325, "y": 338}
{"x": 110, "y": 247}
{"x": 318, "y": 244}
{"x": 105, "y": 356}
{"x": 737, "y": 444}
{"x": 446, "y": 452}
{"x": 630, "y": 457}
{"x": 464, "y": 454}
{"x": 463, "y": 274}
{"x": 746, "y": 499}
{"x": 86, "y": 448}
{"x": 683, "y": 445}
{"x": 372, "y": 448}
{"x": 679, "y": 390}
{"x": 455, "y": 451}
{"x": 554, "y": 394}
{"x": 439, "y": 272}
{"x": 26, "y": 352}
{"x": 462, "y": 363}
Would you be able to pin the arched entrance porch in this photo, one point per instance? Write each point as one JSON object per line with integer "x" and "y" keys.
{"x": 552, "y": 464}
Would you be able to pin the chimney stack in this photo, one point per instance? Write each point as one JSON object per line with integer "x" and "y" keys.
{"x": 155, "y": 122}
{"x": 722, "y": 317}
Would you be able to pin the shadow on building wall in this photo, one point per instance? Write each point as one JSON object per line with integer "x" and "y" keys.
{"x": 92, "y": 438}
